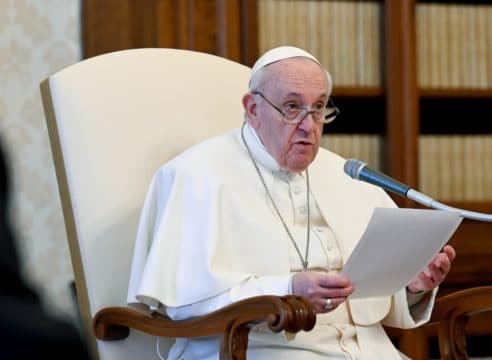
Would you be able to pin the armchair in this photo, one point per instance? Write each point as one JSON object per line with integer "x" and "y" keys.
{"x": 112, "y": 121}
{"x": 451, "y": 314}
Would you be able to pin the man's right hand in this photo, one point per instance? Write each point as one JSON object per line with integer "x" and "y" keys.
{"x": 318, "y": 287}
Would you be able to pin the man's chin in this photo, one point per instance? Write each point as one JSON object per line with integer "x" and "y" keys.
{"x": 299, "y": 165}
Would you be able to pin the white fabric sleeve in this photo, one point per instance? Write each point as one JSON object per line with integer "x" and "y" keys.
{"x": 404, "y": 316}
{"x": 265, "y": 285}
{"x": 414, "y": 298}
{"x": 421, "y": 310}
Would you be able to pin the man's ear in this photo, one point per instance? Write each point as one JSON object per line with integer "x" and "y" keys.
{"x": 249, "y": 104}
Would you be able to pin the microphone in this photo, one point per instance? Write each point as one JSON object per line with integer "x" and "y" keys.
{"x": 359, "y": 170}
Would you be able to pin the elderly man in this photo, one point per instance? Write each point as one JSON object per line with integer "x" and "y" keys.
{"x": 263, "y": 211}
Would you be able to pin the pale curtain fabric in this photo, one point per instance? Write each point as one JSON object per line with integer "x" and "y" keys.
{"x": 37, "y": 38}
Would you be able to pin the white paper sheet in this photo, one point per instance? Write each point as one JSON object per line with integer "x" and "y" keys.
{"x": 396, "y": 247}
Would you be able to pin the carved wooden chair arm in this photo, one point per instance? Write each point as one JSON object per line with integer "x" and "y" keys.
{"x": 452, "y": 313}
{"x": 290, "y": 313}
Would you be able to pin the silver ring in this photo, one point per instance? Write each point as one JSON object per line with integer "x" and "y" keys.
{"x": 328, "y": 304}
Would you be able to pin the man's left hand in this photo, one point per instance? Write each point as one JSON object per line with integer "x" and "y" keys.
{"x": 435, "y": 272}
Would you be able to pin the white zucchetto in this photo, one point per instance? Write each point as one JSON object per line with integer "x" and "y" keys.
{"x": 282, "y": 53}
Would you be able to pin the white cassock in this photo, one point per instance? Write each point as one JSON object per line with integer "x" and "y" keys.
{"x": 209, "y": 236}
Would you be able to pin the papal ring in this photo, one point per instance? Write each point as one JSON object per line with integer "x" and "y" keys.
{"x": 328, "y": 304}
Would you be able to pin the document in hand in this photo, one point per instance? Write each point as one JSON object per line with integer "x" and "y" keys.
{"x": 396, "y": 246}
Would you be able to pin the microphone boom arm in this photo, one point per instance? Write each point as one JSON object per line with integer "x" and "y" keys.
{"x": 358, "y": 170}
{"x": 430, "y": 202}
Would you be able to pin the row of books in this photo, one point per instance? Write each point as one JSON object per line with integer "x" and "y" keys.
{"x": 343, "y": 35}
{"x": 454, "y": 45}
{"x": 451, "y": 167}
{"x": 454, "y": 41}
{"x": 364, "y": 147}
{"x": 456, "y": 167}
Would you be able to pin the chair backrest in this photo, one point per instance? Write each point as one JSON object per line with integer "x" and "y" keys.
{"x": 113, "y": 120}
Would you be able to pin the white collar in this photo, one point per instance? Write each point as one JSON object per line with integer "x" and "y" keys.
{"x": 261, "y": 154}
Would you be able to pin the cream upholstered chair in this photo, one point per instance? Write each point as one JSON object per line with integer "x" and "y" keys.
{"x": 113, "y": 120}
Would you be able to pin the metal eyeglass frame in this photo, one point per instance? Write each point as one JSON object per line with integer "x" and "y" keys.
{"x": 329, "y": 116}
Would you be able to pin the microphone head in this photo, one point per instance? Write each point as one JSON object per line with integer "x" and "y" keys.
{"x": 353, "y": 167}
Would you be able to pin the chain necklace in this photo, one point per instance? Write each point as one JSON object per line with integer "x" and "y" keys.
{"x": 304, "y": 261}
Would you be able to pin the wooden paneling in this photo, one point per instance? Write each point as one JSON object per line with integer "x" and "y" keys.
{"x": 473, "y": 244}
{"x": 401, "y": 92}
{"x": 249, "y": 32}
{"x": 222, "y": 27}
{"x": 106, "y": 26}
{"x": 472, "y": 266}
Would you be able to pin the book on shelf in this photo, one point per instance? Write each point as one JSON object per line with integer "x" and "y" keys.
{"x": 454, "y": 44}
{"x": 423, "y": 45}
{"x": 456, "y": 167}
{"x": 365, "y": 147}
{"x": 488, "y": 39}
{"x": 343, "y": 35}
{"x": 452, "y": 15}
{"x": 482, "y": 26}
{"x": 455, "y": 156}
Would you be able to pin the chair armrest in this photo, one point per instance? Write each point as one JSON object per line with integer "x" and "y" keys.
{"x": 290, "y": 313}
{"x": 452, "y": 313}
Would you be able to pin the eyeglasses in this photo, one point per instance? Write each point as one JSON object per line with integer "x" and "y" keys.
{"x": 294, "y": 114}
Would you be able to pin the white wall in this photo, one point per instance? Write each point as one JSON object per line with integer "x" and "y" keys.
{"x": 37, "y": 38}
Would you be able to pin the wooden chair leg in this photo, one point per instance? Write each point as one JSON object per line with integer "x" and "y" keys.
{"x": 415, "y": 343}
{"x": 452, "y": 338}
{"x": 235, "y": 342}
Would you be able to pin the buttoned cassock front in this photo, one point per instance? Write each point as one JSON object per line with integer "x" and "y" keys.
{"x": 207, "y": 226}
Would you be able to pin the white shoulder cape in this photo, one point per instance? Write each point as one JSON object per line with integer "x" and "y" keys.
{"x": 206, "y": 226}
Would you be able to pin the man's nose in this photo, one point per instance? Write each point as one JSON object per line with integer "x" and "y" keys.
{"x": 307, "y": 124}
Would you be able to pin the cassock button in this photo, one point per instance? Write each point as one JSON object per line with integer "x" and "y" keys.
{"x": 302, "y": 209}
